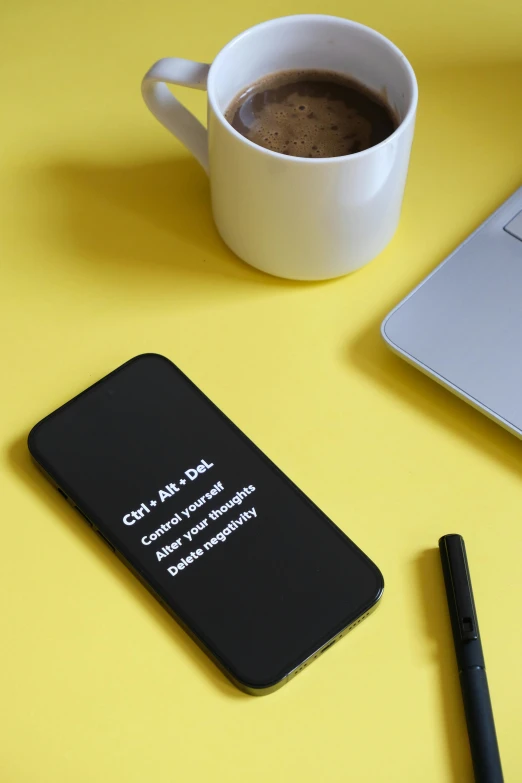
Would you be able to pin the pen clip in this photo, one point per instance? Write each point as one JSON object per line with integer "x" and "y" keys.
{"x": 462, "y": 593}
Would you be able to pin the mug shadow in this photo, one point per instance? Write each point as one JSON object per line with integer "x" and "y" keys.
{"x": 150, "y": 223}
{"x": 371, "y": 355}
{"x": 438, "y": 628}
{"x": 27, "y": 471}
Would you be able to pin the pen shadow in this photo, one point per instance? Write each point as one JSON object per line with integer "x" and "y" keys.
{"x": 434, "y": 610}
{"x": 28, "y": 472}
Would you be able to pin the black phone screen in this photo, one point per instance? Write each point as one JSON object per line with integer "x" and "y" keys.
{"x": 252, "y": 568}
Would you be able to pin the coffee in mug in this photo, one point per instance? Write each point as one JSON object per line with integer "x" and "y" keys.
{"x": 311, "y": 114}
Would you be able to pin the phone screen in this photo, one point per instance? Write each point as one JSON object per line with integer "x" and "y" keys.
{"x": 253, "y": 569}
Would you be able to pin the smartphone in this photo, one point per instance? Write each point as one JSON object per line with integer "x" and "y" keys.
{"x": 259, "y": 577}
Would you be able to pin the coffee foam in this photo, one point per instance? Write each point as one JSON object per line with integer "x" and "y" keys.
{"x": 315, "y": 114}
{"x": 307, "y": 128}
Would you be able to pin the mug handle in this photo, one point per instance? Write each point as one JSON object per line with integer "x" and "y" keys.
{"x": 168, "y": 110}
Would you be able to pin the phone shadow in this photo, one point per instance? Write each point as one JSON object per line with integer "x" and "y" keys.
{"x": 438, "y": 629}
{"x": 27, "y": 471}
{"x": 146, "y": 224}
{"x": 369, "y": 354}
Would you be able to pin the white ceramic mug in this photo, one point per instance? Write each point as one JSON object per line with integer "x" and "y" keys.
{"x": 301, "y": 218}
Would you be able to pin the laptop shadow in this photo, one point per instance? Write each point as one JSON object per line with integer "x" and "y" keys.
{"x": 369, "y": 354}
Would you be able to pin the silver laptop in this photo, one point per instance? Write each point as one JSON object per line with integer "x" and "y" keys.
{"x": 463, "y": 324}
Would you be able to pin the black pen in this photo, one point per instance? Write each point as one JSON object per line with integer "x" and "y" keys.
{"x": 470, "y": 661}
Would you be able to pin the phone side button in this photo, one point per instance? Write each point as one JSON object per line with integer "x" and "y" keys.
{"x": 80, "y": 512}
{"x": 104, "y": 539}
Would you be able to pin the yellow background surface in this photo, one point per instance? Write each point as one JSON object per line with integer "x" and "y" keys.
{"x": 108, "y": 250}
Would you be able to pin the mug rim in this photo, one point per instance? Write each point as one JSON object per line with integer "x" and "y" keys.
{"x": 410, "y": 114}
